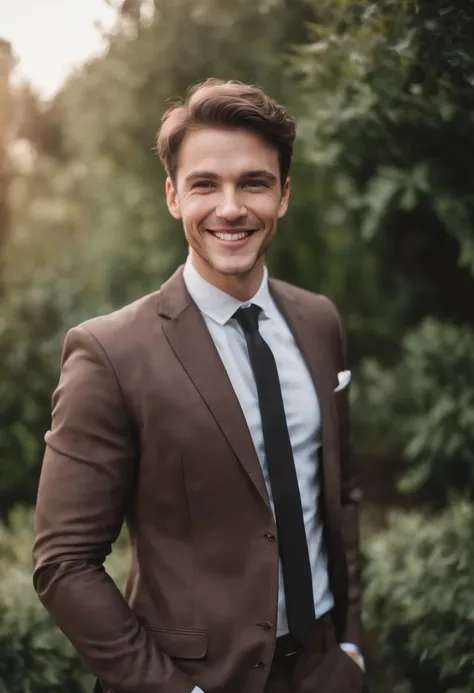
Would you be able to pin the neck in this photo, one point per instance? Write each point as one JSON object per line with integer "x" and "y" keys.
{"x": 242, "y": 287}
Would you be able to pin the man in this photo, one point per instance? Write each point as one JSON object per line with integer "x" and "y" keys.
{"x": 212, "y": 416}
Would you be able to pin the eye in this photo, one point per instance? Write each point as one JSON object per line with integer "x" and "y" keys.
{"x": 254, "y": 184}
{"x": 203, "y": 185}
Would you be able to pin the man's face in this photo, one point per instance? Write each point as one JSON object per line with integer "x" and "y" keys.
{"x": 229, "y": 196}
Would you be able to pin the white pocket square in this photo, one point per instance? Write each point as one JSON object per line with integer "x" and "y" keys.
{"x": 344, "y": 378}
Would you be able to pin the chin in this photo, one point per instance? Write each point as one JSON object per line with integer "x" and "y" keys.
{"x": 235, "y": 269}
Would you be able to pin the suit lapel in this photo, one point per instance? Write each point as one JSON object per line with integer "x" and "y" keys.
{"x": 193, "y": 346}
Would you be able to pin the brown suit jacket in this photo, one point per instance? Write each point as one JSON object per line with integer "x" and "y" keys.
{"x": 146, "y": 427}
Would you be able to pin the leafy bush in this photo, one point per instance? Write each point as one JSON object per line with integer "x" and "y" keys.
{"x": 438, "y": 370}
{"x": 424, "y": 408}
{"x": 35, "y": 311}
{"x": 383, "y": 82}
{"x": 388, "y": 101}
{"x": 419, "y": 599}
{"x": 35, "y": 656}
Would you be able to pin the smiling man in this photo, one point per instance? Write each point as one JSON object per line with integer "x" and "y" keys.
{"x": 212, "y": 417}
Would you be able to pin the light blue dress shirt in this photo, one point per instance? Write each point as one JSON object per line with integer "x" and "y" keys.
{"x": 302, "y": 411}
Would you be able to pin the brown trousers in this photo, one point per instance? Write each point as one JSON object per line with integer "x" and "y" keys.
{"x": 322, "y": 668}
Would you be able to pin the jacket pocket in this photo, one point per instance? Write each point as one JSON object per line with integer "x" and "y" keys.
{"x": 180, "y": 643}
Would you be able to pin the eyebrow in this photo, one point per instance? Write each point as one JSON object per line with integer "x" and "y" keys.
{"x": 198, "y": 175}
{"x": 267, "y": 176}
{"x": 262, "y": 174}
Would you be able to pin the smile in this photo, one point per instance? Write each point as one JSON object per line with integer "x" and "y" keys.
{"x": 231, "y": 236}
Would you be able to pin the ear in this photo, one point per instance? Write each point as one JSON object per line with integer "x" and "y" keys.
{"x": 285, "y": 198}
{"x": 172, "y": 199}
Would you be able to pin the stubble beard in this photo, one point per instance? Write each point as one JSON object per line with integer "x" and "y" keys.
{"x": 240, "y": 271}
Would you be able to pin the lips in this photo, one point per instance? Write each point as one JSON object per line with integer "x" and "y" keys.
{"x": 232, "y": 236}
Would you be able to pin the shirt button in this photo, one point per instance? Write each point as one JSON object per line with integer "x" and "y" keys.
{"x": 269, "y": 537}
{"x": 265, "y": 624}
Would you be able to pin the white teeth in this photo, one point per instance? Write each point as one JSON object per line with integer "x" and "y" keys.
{"x": 231, "y": 236}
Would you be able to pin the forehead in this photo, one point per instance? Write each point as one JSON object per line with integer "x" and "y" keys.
{"x": 225, "y": 152}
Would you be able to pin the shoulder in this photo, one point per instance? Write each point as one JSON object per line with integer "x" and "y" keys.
{"x": 126, "y": 321}
{"x": 320, "y": 310}
{"x": 320, "y": 306}
{"x": 116, "y": 334}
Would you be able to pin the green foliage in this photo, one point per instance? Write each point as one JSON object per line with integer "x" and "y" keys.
{"x": 424, "y": 408}
{"x": 403, "y": 87}
{"x": 420, "y": 602}
{"x": 387, "y": 88}
{"x": 35, "y": 656}
{"x": 40, "y": 303}
{"x": 439, "y": 366}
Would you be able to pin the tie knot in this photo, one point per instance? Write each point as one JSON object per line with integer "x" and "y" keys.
{"x": 247, "y": 317}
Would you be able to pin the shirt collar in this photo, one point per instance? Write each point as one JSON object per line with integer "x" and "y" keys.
{"x": 218, "y": 305}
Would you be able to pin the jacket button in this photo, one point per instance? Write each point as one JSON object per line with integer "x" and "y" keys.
{"x": 270, "y": 537}
{"x": 265, "y": 624}
{"x": 259, "y": 665}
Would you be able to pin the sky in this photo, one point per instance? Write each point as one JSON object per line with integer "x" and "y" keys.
{"x": 51, "y": 37}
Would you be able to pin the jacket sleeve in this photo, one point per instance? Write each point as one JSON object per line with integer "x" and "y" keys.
{"x": 350, "y": 500}
{"x": 87, "y": 474}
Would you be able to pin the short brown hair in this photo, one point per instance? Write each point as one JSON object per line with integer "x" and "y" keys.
{"x": 216, "y": 103}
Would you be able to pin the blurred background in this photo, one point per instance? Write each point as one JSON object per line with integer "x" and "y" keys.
{"x": 381, "y": 220}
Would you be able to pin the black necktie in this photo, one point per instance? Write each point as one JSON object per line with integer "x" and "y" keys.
{"x": 292, "y": 542}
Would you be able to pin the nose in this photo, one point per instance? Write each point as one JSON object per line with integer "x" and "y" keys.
{"x": 230, "y": 207}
